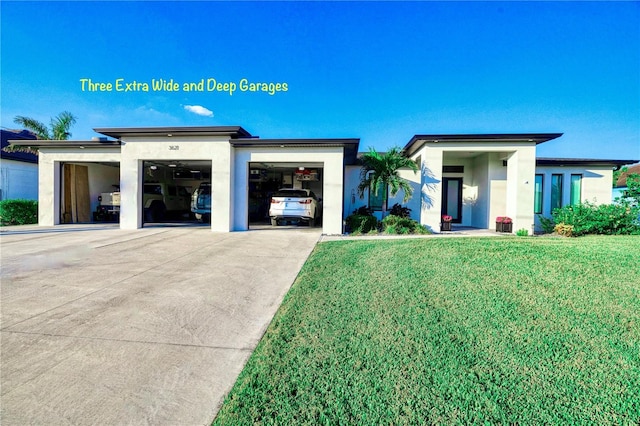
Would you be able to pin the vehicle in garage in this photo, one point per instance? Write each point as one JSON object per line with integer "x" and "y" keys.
{"x": 201, "y": 202}
{"x": 294, "y": 205}
{"x": 109, "y": 208}
{"x": 164, "y": 199}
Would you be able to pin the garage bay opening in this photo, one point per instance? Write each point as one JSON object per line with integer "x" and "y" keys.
{"x": 285, "y": 194}
{"x": 172, "y": 189}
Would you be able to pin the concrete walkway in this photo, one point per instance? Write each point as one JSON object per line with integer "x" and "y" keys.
{"x": 109, "y": 327}
{"x": 456, "y": 232}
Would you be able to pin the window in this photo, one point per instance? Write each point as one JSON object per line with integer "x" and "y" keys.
{"x": 576, "y": 189}
{"x": 537, "y": 201}
{"x": 556, "y": 191}
{"x": 375, "y": 200}
{"x": 152, "y": 189}
{"x": 452, "y": 169}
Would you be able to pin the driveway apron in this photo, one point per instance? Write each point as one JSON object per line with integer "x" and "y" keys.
{"x": 152, "y": 326}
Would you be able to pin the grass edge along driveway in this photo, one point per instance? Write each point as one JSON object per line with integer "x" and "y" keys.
{"x": 453, "y": 331}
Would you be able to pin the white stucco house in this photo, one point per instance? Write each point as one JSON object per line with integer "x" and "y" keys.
{"x": 18, "y": 170}
{"x": 473, "y": 178}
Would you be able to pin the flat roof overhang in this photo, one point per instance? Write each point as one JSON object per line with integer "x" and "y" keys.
{"x": 119, "y": 132}
{"x": 418, "y": 140}
{"x": 44, "y": 143}
{"x": 546, "y": 161}
{"x": 350, "y": 145}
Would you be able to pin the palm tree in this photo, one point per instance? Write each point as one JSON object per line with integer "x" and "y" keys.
{"x": 380, "y": 172}
{"x": 59, "y": 130}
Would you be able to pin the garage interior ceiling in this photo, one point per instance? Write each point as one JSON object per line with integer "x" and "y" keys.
{"x": 287, "y": 165}
{"x": 205, "y": 166}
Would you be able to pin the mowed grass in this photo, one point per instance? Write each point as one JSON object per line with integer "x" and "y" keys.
{"x": 452, "y": 331}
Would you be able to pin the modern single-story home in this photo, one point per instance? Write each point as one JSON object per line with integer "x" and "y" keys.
{"x": 474, "y": 177}
{"x": 18, "y": 170}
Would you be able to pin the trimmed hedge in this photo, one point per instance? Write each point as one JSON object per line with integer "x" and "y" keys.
{"x": 18, "y": 212}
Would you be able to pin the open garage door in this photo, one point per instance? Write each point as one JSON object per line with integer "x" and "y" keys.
{"x": 82, "y": 191}
{"x": 267, "y": 180}
{"x": 168, "y": 188}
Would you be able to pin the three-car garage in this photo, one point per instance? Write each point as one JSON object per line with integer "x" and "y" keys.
{"x": 156, "y": 171}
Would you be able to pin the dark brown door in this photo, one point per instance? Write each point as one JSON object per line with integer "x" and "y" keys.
{"x": 452, "y": 198}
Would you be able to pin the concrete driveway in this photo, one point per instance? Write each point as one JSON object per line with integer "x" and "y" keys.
{"x": 152, "y": 326}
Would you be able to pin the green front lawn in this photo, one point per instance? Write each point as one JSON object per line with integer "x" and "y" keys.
{"x": 452, "y": 331}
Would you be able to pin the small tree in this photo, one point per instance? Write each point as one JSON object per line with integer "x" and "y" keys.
{"x": 59, "y": 130}
{"x": 633, "y": 188}
{"x": 617, "y": 174}
{"x": 380, "y": 172}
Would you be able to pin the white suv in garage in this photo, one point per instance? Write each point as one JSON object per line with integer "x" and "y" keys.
{"x": 290, "y": 204}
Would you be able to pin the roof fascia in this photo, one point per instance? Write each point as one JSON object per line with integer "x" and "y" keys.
{"x": 119, "y": 132}
{"x": 418, "y": 140}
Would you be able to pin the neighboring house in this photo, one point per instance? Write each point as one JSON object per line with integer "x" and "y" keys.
{"x": 18, "y": 170}
{"x": 474, "y": 178}
{"x": 621, "y": 184}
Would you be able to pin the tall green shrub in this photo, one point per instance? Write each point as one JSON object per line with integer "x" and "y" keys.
{"x": 402, "y": 225}
{"x": 610, "y": 219}
{"x": 361, "y": 224}
{"x": 18, "y": 212}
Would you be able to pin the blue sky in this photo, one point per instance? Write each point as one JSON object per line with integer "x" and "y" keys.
{"x": 380, "y": 71}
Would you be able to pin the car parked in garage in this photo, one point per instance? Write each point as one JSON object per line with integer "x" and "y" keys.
{"x": 164, "y": 199}
{"x": 201, "y": 202}
{"x": 289, "y": 204}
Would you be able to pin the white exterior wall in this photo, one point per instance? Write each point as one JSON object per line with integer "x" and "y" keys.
{"x": 352, "y": 200}
{"x": 597, "y": 184}
{"x": 414, "y": 202}
{"x": 431, "y": 185}
{"x": 332, "y": 180}
{"x": 521, "y": 167}
{"x": 482, "y": 185}
{"x": 18, "y": 179}
{"x": 497, "y": 173}
{"x": 50, "y": 160}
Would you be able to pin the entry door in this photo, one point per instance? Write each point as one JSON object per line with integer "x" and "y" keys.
{"x": 452, "y": 198}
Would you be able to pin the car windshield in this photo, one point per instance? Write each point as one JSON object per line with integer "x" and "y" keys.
{"x": 291, "y": 193}
{"x": 204, "y": 189}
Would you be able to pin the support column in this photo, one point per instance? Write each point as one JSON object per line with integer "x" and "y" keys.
{"x": 48, "y": 194}
{"x": 332, "y": 193}
{"x": 431, "y": 187}
{"x": 130, "y": 193}
{"x": 241, "y": 190}
{"x": 521, "y": 170}
{"x": 222, "y": 188}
